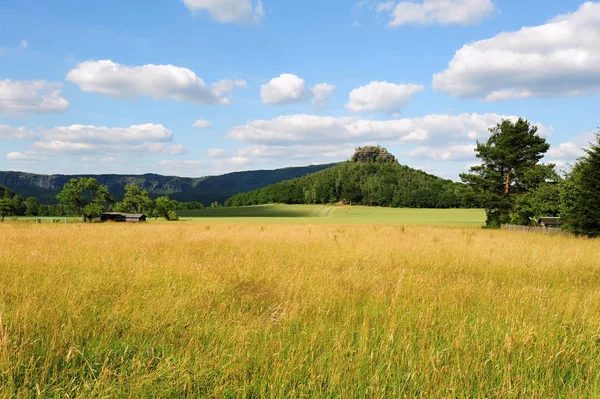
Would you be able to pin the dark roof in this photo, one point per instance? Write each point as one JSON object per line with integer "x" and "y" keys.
{"x": 113, "y": 213}
{"x": 550, "y": 220}
{"x": 134, "y": 215}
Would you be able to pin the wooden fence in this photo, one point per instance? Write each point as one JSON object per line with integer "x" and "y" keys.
{"x": 532, "y": 229}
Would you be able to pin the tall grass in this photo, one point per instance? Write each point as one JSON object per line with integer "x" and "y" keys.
{"x": 250, "y": 310}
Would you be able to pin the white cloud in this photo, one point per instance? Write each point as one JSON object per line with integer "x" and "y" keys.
{"x": 451, "y": 153}
{"x": 287, "y": 88}
{"x": 66, "y": 147}
{"x": 202, "y": 124}
{"x": 26, "y": 156}
{"x": 559, "y": 58}
{"x": 322, "y": 92}
{"x": 236, "y": 11}
{"x": 433, "y": 129}
{"x": 23, "y": 44}
{"x": 382, "y": 96}
{"x": 217, "y": 152}
{"x": 443, "y": 12}
{"x": 133, "y": 140}
{"x": 148, "y": 132}
{"x": 109, "y": 160}
{"x": 157, "y": 81}
{"x": 571, "y": 150}
{"x": 8, "y": 132}
{"x": 17, "y": 98}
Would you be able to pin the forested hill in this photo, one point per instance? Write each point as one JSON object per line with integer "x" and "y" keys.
{"x": 203, "y": 189}
{"x": 361, "y": 183}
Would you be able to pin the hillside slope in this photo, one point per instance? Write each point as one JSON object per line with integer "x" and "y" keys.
{"x": 372, "y": 183}
{"x": 203, "y": 189}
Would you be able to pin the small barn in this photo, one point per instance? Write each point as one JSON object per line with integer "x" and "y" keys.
{"x": 549, "y": 222}
{"x": 135, "y": 217}
{"x": 112, "y": 217}
{"x": 123, "y": 217}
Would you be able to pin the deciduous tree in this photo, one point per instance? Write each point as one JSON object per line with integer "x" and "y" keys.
{"x": 136, "y": 200}
{"x": 86, "y": 197}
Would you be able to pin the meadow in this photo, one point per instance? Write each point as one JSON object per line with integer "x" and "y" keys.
{"x": 283, "y": 310}
{"x": 328, "y": 214}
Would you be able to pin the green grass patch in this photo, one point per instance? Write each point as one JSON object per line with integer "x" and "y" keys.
{"x": 338, "y": 214}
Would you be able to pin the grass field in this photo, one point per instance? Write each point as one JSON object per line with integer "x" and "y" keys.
{"x": 260, "y": 310}
{"x": 313, "y": 214}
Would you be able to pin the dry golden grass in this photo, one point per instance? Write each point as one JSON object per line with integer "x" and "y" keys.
{"x": 250, "y": 310}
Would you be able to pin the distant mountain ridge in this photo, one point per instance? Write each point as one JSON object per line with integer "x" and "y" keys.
{"x": 202, "y": 189}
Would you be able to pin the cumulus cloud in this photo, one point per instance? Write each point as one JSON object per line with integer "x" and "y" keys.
{"x": 66, "y": 147}
{"x": 451, "y": 153}
{"x": 382, "y": 96}
{"x": 287, "y": 88}
{"x": 559, "y": 58}
{"x": 99, "y": 134}
{"x": 434, "y": 129}
{"x": 229, "y": 11}
{"x": 16, "y": 133}
{"x": 571, "y": 150}
{"x": 18, "y": 98}
{"x": 24, "y": 156}
{"x": 322, "y": 92}
{"x": 157, "y": 81}
{"x": 202, "y": 124}
{"x": 86, "y": 139}
{"x": 443, "y": 12}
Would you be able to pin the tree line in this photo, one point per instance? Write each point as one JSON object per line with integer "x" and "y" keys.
{"x": 87, "y": 198}
{"x": 515, "y": 187}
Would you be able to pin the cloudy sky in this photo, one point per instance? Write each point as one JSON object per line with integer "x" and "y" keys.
{"x": 199, "y": 87}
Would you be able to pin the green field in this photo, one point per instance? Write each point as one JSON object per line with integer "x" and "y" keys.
{"x": 337, "y": 214}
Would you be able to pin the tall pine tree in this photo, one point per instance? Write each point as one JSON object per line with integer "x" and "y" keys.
{"x": 581, "y": 193}
{"x": 509, "y": 167}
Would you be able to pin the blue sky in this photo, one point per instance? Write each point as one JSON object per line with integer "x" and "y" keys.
{"x": 117, "y": 87}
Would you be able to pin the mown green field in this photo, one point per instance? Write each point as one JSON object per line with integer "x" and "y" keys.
{"x": 338, "y": 215}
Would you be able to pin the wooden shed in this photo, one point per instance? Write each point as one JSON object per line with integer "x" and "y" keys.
{"x": 123, "y": 217}
{"x": 135, "y": 217}
{"x": 113, "y": 217}
{"x": 549, "y": 222}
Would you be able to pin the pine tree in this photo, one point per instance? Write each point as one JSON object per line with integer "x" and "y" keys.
{"x": 580, "y": 194}
{"x": 510, "y": 166}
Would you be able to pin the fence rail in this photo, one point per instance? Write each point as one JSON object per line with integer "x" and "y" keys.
{"x": 533, "y": 229}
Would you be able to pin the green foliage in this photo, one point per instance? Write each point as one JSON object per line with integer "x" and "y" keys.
{"x": 7, "y": 207}
{"x": 373, "y": 184}
{"x": 135, "y": 200}
{"x": 581, "y": 194}
{"x": 32, "y": 207}
{"x": 510, "y": 167}
{"x": 165, "y": 207}
{"x": 86, "y": 197}
{"x": 543, "y": 201}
